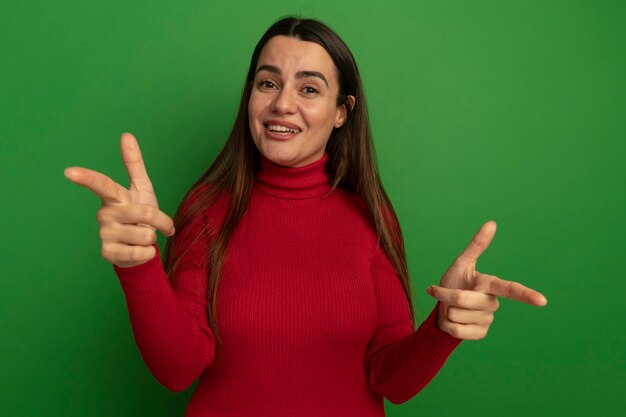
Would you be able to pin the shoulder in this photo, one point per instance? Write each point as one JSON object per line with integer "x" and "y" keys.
{"x": 356, "y": 205}
{"x": 352, "y": 216}
{"x": 204, "y": 204}
{"x": 350, "y": 198}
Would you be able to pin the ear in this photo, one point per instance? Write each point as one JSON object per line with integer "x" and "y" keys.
{"x": 343, "y": 112}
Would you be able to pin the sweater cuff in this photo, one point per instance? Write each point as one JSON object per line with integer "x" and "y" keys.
{"x": 444, "y": 340}
{"x": 415, "y": 361}
{"x": 142, "y": 277}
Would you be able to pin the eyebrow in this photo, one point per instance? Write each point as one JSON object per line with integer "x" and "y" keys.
{"x": 299, "y": 74}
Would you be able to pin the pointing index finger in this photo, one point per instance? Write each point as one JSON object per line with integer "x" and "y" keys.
{"x": 101, "y": 185}
{"x": 511, "y": 290}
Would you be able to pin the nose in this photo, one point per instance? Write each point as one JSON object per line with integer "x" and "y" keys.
{"x": 284, "y": 102}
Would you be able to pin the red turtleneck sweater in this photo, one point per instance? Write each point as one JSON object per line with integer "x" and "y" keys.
{"x": 312, "y": 315}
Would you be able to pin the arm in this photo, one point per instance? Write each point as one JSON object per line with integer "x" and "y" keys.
{"x": 169, "y": 324}
{"x": 169, "y": 321}
{"x": 400, "y": 362}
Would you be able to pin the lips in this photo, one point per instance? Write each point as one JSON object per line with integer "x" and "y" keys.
{"x": 279, "y": 129}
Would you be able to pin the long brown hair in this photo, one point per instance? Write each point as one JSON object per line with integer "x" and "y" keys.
{"x": 351, "y": 165}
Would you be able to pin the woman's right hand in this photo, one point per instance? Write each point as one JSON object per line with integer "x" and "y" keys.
{"x": 128, "y": 217}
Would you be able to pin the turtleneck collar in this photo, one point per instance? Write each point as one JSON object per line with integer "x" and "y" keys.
{"x": 307, "y": 181}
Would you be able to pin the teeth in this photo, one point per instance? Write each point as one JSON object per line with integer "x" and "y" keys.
{"x": 279, "y": 128}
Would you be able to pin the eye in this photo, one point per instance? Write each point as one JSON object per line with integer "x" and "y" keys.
{"x": 266, "y": 84}
{"x": 310, "y": 90}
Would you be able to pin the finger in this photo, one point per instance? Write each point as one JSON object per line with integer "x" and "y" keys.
{"x": 479, "y": 243}
{"x": 465, "y": 316}
{"x": 510, "y": 289}
{"x": 472, "y": 300}
{"x": 101, "y": 185}
{"x": 464, "y": 331}
{"x": 133, "y": 160}
{"x": 128, "y": 234}
{"x": 127, "y": 255}
{"x": 137, "y": 214}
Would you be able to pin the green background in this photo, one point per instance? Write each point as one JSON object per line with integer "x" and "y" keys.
{"x": 505, "y": 110}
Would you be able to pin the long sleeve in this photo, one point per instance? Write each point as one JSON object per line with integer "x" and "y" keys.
{"x": 401, "y": 362}
{"x": 169, "y": 321}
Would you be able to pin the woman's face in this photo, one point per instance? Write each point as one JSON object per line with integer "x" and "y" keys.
{"x": 293, "y": 105}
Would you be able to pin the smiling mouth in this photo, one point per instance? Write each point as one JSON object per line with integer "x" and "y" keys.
{"x": 281, "y": 129}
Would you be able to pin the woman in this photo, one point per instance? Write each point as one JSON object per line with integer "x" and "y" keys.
{"x": 288, "y": 292}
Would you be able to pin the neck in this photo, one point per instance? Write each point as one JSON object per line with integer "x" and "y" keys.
{"x": 307, "y": 181}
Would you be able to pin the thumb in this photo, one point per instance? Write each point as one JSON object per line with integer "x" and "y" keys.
{"x": 133, "y": 160}
{"x": 479, "y": 243}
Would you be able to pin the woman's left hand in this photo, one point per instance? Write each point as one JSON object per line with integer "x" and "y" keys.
{"x": 468, "y": 299}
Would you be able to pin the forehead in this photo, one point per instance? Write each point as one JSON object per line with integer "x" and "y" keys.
{"x": 291, "y": 55}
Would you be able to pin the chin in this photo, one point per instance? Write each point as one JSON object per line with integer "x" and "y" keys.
{"x": 279, "y": 155}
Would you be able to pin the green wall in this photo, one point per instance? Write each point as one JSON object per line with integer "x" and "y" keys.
{"x": 504, "y": 110}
